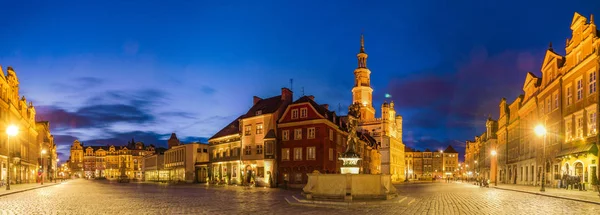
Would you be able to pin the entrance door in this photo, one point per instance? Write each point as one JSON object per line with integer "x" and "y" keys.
{"x": 579, "y": 170}
{"x": 248, "y": 174}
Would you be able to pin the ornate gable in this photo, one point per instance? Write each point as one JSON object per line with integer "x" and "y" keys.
{"x": 577, "y": 19}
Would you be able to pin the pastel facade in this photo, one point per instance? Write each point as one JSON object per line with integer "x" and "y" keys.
{"x": 110, "y": 162}
{"x": 181, "y": 161}
{"x": 425, "y": 165}
{"x": 565, "y": 101}
{"x": 25, "y": 148}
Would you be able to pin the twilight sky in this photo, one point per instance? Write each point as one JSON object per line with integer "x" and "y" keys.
{"x": 107, "y": 72}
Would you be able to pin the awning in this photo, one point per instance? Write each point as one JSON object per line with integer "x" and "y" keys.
{"x": 585, "y": 148}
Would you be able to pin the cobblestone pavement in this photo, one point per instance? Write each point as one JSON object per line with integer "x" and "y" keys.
{"x": 94, "y": 197}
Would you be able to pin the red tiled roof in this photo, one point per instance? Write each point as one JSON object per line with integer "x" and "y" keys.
{"x": 268, "y": 105}
{"x": 231, "y": 128}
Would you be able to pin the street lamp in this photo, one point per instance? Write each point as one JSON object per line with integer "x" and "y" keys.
{"x": 540, "y": 130}
{"x": 11, "y": 130}
{"x": 443, "y": 168}
{"x": 494, "y": 153}
{"x": 56, "y": 170}
{"x": 42, "y": 161}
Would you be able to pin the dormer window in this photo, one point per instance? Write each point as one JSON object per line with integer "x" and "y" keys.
{"x": 303, "y": 112}
{"x": 258, "y": 112}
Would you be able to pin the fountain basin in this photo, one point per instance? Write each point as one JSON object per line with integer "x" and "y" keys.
{"x": 349, "y": 186}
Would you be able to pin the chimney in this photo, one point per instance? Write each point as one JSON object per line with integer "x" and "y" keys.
{"x": 326, "y": 106}
{"x": 255, "y": 100}
{"x": 311, "y": 97}
{"x": 286, "y": 94}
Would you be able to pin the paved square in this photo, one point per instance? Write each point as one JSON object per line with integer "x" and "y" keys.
{"x": 96, "y": 197}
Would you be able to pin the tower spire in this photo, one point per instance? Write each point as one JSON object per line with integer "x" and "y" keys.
{"x": 362, "y": 43}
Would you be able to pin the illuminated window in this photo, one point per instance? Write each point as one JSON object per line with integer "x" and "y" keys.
{"x": 331, "y": 154}
{"x": 248, "y": 130}
{"x": 259, "y": 128}
{"x": 579, "y": 89}
{"x": 297, "y": 154}
{"x": 549, "y": 104}
{"x": 248, "y": 150}
{"x": 259, "y": 149}
{"x": 569, "y": 95}
{"x": 303, "y": 112}
{"x": 579, "y": 125}
{"x": 592, "y": 82}
{"x": 568, "y": 130}
{"x": 295, "y": 114}
{"x": 269, "y": 148}
{"x": 285, "y": 135}
{"x": 331, "y": 134}
{"x": 310, "y": 153}
{"x": 298, "y": 134}
{"x": 311, "y": 133}
{"x": 285, "y": 154}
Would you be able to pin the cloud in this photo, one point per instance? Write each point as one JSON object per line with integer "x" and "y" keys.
{"x": 76, "y": 85}
{"x": 94, "y": 116}
{"x": 453, "y": 101}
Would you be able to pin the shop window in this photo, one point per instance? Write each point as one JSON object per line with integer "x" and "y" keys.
{"x": 260, "y": 172}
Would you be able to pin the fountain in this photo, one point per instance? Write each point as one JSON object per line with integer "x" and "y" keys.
{"x": 350, "y": 184}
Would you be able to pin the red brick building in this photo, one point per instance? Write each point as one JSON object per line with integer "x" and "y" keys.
{"x": 312, "y": 138}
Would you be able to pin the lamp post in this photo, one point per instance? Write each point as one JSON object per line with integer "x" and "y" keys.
{"x": 494, "y": 153}
{"x": 43, "y": 152}
{"x": 443, "y": 168}
{"x": 11, "y": 130}
{"x": 540, "y": 130}
{"x": 56, "y": 170}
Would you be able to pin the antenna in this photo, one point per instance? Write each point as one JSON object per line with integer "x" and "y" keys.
{"x": 339, "y": 108}
{"x": 302, "y": 91}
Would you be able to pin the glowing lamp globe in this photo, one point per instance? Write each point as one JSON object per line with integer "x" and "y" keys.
{"x": 12, "y": 130}
{"x": 540, "y": 130}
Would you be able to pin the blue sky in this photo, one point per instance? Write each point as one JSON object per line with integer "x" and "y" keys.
{"x": 105, "y": 72}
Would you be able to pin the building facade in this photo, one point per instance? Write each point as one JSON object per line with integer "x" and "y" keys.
{"x": 49, "y": 157}
{"x": 259, "y": 140}
{"x": 386, "y": 130}
{"x": 564, "y": 100}
{"x": 313, "y": 138}
{"x": 225, "y": 149}
{"x": 110, "y": 162}
{"x": 24, "y": 148}
{"x": 154, "y": 166}
{"x": 181, "y": 160}
{"x": 427, "y": 165}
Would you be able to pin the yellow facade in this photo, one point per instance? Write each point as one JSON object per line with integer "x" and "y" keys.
{"x": 25, "y": 148}
{"x": 565, "y": 101}
{"x": 110, "y": 162}
{"x": 387, "y": 130}
{"x": 50, "y": 158}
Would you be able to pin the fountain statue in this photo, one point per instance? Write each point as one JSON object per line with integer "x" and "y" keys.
{"x": 350, "y": 184}
{"x": 350, "y": 158}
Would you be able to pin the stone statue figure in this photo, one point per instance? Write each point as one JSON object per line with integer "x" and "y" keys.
{"x": 352, "y": 124}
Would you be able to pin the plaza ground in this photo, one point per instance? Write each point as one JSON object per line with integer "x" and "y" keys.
{"x": 102, "y": 197}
